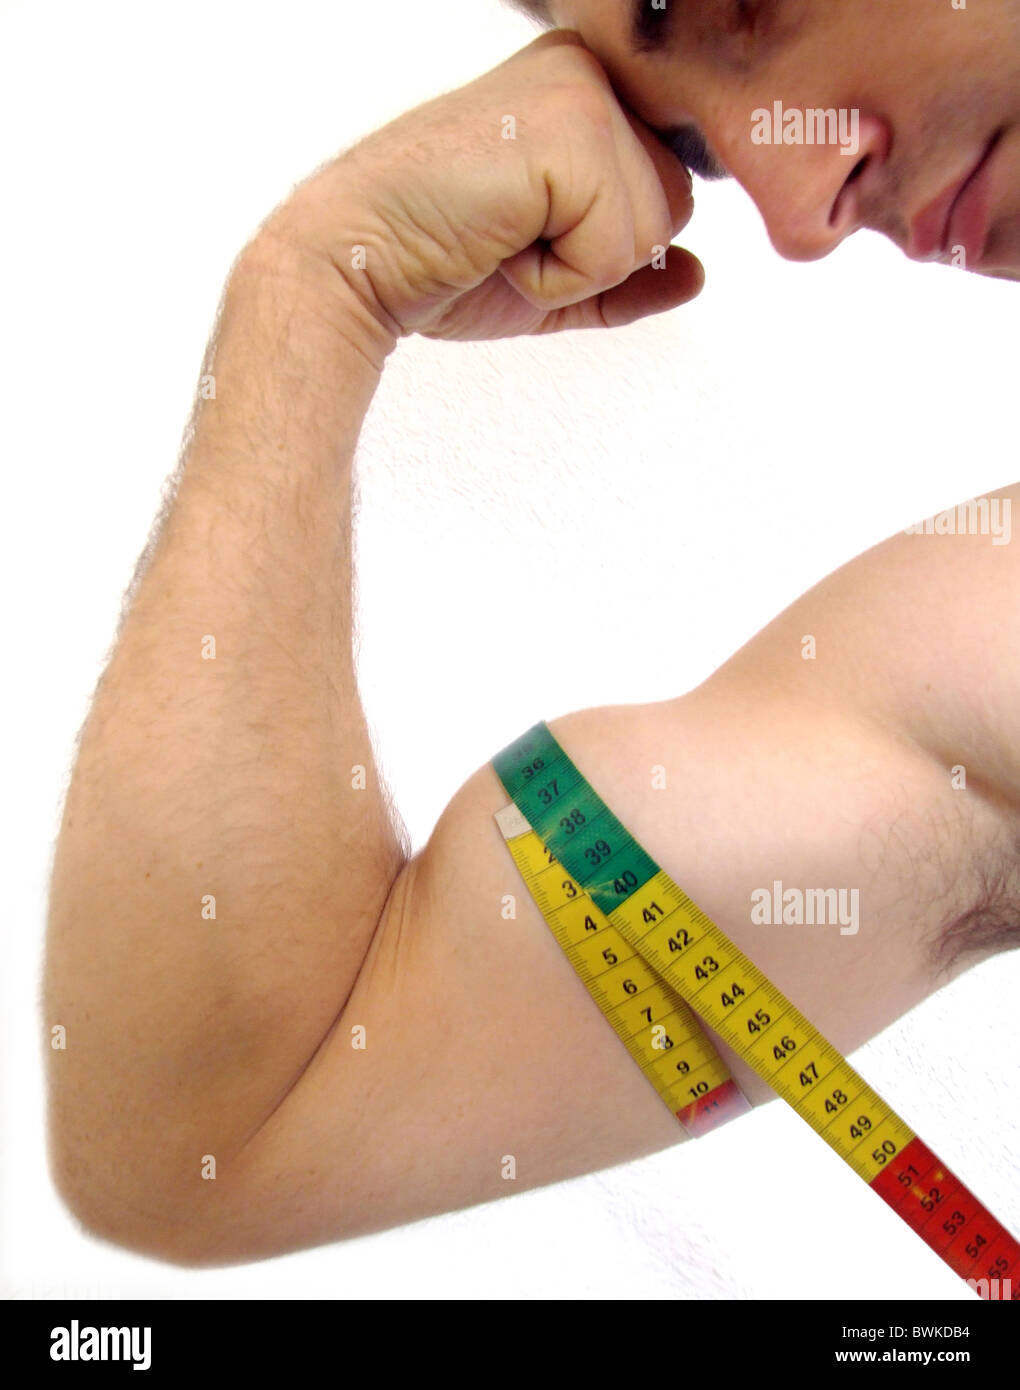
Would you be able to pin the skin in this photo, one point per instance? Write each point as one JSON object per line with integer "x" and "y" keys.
{"x": 932, "y": 85}
{"x": 231, "y": 1037}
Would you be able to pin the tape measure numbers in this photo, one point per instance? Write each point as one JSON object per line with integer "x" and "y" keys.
{"x": 655, "y": 1024}
{"x": 655, "y": 964}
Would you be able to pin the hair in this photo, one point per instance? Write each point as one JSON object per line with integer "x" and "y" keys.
{"x": 538, "y": 10}
{"x": 992, "y": 923}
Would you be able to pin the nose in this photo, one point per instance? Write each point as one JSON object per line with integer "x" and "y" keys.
{"x": 812, "y": 195}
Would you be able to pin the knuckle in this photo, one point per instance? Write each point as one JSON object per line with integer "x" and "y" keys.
{"x": 578, "y": 105}
{"x": 617, "y": 266}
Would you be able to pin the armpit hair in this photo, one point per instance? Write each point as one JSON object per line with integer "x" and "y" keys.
{"x": 992, "y": 923}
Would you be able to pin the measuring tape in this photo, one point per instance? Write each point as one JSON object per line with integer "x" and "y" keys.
{"x": 655, "y": 963}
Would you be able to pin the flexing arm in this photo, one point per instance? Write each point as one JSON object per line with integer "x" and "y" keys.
{"x": 226, "y": 848}
{"x": 832, "y": 773}
{"x": 234, "y": 777}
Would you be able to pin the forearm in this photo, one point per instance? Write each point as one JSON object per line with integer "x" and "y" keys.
{"x": 221, "y": 778}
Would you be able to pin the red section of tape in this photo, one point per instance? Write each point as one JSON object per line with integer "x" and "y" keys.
{"x": 947, "y": 1216}
{"x": 713, "y": 1109}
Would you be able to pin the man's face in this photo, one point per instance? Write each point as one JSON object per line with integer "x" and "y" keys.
{"x": 926, "y": 147}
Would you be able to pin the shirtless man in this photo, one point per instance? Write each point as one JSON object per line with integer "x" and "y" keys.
{"x": 236, "y": 777}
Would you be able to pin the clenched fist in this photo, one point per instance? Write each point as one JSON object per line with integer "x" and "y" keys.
{"x": 528, "y": 201}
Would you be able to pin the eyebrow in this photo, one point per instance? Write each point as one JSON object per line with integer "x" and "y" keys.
{"x": 650, "y": 32}
{"x": 689, "y": 145}
{"x": 650, "y": 26}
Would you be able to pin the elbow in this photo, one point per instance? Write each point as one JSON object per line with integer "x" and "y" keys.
{"x": 119, "y": 1175}
{"x": 184, "y": 1226}
{"x": 129, "y": 1213}
{"x": 135, "y": 1231}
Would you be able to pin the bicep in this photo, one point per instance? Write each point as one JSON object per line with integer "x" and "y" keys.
{"x": 470, "y": 1061}
{"x": 486, "y": 1067}
{"x": 481, "y": 1045}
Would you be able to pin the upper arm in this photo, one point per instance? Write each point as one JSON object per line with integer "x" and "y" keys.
{"x": 481, "y": 1043}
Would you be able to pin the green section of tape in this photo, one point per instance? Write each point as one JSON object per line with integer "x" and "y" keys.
{"x": 572, "y": 819}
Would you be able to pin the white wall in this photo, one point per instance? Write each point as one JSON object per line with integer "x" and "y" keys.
{"x": 790, "y": 418}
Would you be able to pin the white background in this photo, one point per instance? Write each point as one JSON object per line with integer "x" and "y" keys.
{"x": 742, "y": 448}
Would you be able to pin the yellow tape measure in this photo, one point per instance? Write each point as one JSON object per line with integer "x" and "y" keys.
{"x": 653, "y": 1021}
{"x": 655, "y": 963}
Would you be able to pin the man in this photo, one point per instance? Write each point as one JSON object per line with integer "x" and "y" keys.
{"x": 935, "y": 156}
{"x": 234, "y": 908}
